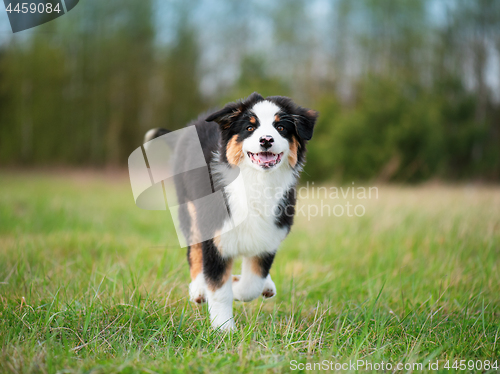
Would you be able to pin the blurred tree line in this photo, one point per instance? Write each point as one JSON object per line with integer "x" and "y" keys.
{"x": 407, "y": 90}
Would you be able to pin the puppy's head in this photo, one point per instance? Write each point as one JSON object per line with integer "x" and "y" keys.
{"x": 265, "y": 134}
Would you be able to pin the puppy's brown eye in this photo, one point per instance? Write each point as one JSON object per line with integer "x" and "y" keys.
{"x": 280, "y": 128}
{"x": 250, "y": 128}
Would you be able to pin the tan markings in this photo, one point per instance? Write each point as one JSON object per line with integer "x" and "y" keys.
{"x": 196, "y": 260}
{"x": 255, "y": 266}
{"x": 277, "y": 118}
{"x": 252, "y": 120}
{"x": 195, "y": 251}
{"x": 292, "y": 156}
{"x": 225, "y": 277}
{"x": 234, "y": 152}
{"x": 312, "y": 113}
{"x": 229, "y": 269}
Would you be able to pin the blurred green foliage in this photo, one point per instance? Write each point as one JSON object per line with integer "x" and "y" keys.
{"x": 405, "y": 90}
{"x": 404, "y": 132}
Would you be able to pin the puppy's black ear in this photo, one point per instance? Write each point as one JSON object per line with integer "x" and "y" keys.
{"x": 304, "y": 119}
{"x": 304, "y": 123}
{"x": 226, "y": 115}
{"x": 231, "y": 111}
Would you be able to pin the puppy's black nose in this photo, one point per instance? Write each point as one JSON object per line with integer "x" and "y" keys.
{"x": 266, "y": 141}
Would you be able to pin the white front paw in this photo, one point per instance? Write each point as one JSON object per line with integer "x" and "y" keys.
{"x": 223, "y": 324}
{"x": 220, "y": 307}
{"x": 242, "y": 292}
{"x": 198, "y": 290}
{"x": 238, "y": 293}
{"x": 247, "y": 288}
{"x": 269, "y": 288}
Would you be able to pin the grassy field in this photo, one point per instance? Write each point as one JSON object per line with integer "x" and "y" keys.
{"x": 89, "y": 283}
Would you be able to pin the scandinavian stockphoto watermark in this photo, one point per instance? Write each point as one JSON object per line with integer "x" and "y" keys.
{"x": 152, "y": 180}
{"x": 365, "y": 365}
{"x": 327, "y": 365}
{"x": 313, "y": 201}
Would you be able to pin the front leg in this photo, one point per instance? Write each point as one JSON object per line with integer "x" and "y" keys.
{"x": 217, "y": 272}
{"x": 255, "y": 279}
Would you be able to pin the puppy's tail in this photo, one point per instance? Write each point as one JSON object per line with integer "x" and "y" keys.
{"x": 155, "y": 133}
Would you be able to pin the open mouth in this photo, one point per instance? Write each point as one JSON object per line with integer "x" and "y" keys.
{"x": 265, "y": 159}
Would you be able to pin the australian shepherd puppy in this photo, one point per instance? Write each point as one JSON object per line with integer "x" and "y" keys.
{"x": 263, "y": 141}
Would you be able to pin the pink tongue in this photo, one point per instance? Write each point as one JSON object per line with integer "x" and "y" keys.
{"x": 266, "y": 156}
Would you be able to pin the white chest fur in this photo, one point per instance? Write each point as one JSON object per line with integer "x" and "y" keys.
{"x": 256, "y": 198}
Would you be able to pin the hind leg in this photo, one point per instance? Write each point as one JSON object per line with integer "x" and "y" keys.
{"x": 198, "y": 286}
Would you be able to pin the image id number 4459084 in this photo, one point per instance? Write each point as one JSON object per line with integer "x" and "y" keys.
{"x": 471, "y": 365}
{"x": 33, "y": 8}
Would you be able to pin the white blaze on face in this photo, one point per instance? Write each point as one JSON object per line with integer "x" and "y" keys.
{"x": 266, "y": 112}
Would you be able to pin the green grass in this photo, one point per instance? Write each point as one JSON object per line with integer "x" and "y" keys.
{"x": 89, "y": 283}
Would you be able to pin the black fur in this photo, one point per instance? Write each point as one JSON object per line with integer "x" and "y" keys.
{"x": 265, "y": 263}
{"x": 214, "y": 265}
{"x": 285, "y": 211}
{"x": 304, "y": 119}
